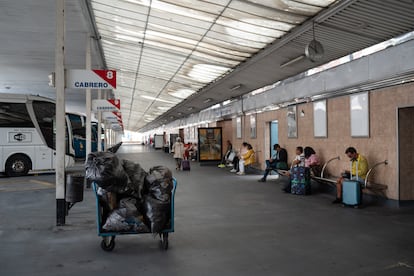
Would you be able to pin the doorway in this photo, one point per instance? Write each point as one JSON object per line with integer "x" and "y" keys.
{"x": 405, "y": 117}
{"x": 274, "y": 135}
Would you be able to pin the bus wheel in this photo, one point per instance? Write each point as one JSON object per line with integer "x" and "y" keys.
{"x": 17, "y": 165}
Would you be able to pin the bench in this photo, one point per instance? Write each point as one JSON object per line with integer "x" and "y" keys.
{"x": 367, "y": 185}
{"x": 253, "y": 167}
{"x": 375, "y": 186}
{"x": 322, "y": 178}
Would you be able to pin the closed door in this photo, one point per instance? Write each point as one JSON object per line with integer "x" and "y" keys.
{"x": 405, "y": 152}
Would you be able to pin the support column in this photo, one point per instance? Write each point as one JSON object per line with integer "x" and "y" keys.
{"x": 106, "y": 126}
{"x": 99, "y": 134}
{"x": 60, "y": 112}
{"x": 88, "y": 100}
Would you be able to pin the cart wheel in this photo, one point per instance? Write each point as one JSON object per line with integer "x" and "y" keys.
{"x": 164, "y": 241}
{"x": 108, "y": 243}
{"x": 356, "y": 207}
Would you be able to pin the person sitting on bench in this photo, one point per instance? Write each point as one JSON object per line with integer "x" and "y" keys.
{"x": 312, "y": 161}
{"x": 278, "y": 161}
{"x": 236, "y": 159}
{"x": 225, "y": 158}
{"x": 246, "y": 159}
{"x": 362, "y": 171}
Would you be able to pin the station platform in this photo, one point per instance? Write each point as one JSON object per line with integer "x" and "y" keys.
{"x": 225, "y": 224}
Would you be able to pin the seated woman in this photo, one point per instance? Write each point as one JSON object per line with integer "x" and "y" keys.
{"x": 312, "y": 161}
{"x": 246, "y": 159}
{"x": 236, "y": 159}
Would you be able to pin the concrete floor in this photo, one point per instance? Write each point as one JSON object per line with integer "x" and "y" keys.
{"x": 225, "y": 225}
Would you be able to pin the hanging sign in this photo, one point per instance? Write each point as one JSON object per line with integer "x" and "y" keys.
{"x": 106, "y": 105}
{"x": 91, "y": 79}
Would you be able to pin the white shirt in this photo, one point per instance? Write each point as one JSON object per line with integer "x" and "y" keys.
{"x": 301, "y": 158}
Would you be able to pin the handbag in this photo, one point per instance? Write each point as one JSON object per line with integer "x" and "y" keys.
{"x": 231, "y": 156}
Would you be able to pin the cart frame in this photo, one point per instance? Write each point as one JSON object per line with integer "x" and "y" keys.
{"x": 108, "y": 238}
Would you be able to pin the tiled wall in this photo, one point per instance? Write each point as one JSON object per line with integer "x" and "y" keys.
{"x": 381, "y": 145}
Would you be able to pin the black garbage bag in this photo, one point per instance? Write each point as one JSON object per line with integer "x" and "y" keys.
{"x": 157, "y": 212}
{"x": 106, "y": 170}
{"x": 159, "y": 183}
{"x": 136, "y": 175}
{"x": 126, "y": 218}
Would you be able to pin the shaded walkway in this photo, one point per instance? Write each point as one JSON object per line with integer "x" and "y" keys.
{"x": 225, "y": 225}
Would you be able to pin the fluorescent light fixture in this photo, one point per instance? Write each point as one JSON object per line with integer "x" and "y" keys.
{"x": 290, "y": 62}
{"x": 163, "y": 108}
{"x": 190, "y": 108}
{"x": 207, "y": 100}
{"x": 206, "y": 73}
{"x": 154, "y": 99}
{"x": 226, "y": 102}
{"x": 235, "y": 87}
{"x": 182, "y": 93}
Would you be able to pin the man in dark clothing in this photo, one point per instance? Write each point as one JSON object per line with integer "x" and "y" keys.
{"x": 278, "y": 161}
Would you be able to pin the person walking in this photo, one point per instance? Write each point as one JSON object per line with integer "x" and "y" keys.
{"x": 179, "y": 151}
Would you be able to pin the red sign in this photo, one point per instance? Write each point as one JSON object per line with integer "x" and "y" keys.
{"x": 115, "y": 102}
{"x": 108, "y": 75}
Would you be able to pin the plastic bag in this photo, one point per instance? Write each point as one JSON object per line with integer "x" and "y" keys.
{"x": 106, "y": 170}
{"x": 136, "y": 176}
{"x": 125, "y": 218}
{"x": 129, "y": 204}
{"x": 159, "y": 183}
{"x": 116, "y": 221}
{"x": 157, "y": 212}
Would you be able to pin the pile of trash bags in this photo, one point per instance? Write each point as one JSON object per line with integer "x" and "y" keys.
{"x": 132, "y": 199}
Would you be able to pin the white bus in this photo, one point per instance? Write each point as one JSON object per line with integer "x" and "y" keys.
{"x": 77, "y": 123}
{"x": 27, "y": 135}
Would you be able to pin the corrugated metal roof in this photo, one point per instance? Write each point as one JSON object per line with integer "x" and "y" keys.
{"x": 167, "y": 50}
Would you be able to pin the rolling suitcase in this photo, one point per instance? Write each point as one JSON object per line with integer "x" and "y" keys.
{"x": 300, "y": 181}
{"x": 352, "y": 190}
{"x": 185, "y": 165}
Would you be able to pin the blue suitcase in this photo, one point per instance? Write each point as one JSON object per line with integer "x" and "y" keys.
{"x": 352, "y": 191}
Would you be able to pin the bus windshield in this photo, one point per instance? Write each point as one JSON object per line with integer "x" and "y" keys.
{"x": 45, "y": 115}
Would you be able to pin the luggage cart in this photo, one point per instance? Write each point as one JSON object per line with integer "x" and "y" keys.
{"x": 108, "y": 238}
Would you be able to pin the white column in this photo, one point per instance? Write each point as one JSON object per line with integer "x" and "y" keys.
{"x": 105, "y": 136}
{"x": 60, "y": 112}
{"x": 99, "y": 123}
{"x": 88, "y": 100}
{"x": 106, "y": 126}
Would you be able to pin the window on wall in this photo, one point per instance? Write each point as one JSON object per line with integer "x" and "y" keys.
{"x": 253, "y": 126}
{"x": 238, "y": 128}
{"x": 359, "y": 104}
{"x": 319, "y": 119}
{"x": 291, "y": 122}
